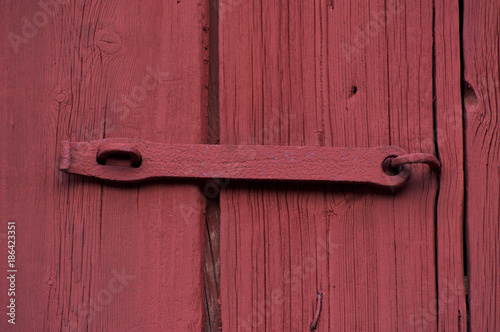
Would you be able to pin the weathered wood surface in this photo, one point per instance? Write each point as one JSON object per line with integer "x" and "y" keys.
{"x": 320, "y": 73}
{"x": 451, "y": 311}
{"x": 481, "y": 52}
{"x": 92, "y": 256}
{"x": 354, "y": 74}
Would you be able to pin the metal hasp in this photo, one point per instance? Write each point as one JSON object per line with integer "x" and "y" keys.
{"x": 150, "y": 160}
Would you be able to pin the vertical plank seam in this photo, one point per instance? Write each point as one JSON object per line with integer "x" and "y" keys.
{"x": 464, "y": 163}
{"x": 213, "y": 137}
{"x": 436, "y": 149}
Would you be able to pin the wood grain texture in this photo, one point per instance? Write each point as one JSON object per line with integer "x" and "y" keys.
{"x": 348, "y": 74}
{"x": 481, "y": 52}
{"x": 449, "y": 139}
{"x": 93, "y": 256}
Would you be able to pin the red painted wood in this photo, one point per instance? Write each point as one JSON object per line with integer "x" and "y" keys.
{"x": 149, "y": 160}
{"x": 452, "y": 314}
{"x": 481, "y": 52}
{"x": 350, "y": 74}
{"x": 415, "y": 158}
{"x": 92, "y": 256}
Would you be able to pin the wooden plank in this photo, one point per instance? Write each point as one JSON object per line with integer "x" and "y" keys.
{"x": 93, "y": 256}
{"x": 452, "y": 315}
{"x": 481, "y": 52}
{"x": 322, "y": 73}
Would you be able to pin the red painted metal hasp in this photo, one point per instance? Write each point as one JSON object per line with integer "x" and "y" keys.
{"x": 150, "y": 160}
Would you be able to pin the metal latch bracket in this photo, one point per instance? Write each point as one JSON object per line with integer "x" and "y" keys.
{"x": 380, "y": 166}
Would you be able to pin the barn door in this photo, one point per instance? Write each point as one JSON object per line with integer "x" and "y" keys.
{"x": 89, "y": 255}
{"x": 419, "y": 75}
{"x": 275, "y": 256}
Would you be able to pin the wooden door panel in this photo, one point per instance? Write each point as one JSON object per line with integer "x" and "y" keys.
{"x": 481, "y": 109}
{"x": 95, "y": 256}
{"x": 358, "y": 74}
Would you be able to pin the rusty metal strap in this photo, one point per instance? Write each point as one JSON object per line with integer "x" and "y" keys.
{"x": 150, "y": 160}
{"x": 416, "y": 158}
